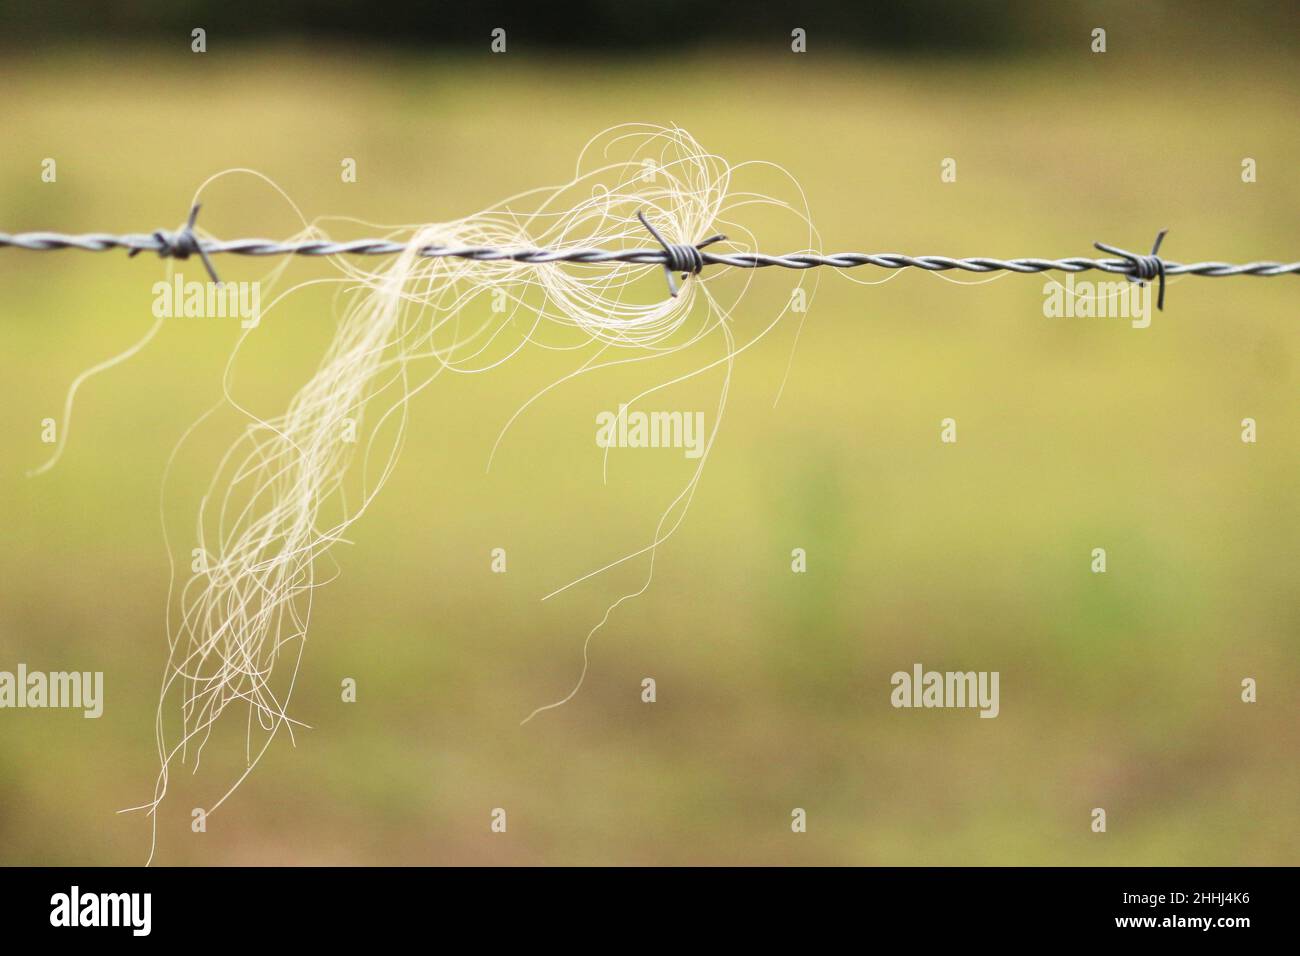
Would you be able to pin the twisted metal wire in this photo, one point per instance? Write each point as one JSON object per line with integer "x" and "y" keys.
{"x": 140, "y": 242}
{"x": 685, "y": 259}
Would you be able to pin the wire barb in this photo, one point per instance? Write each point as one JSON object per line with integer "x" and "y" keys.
{"x": 181, "y": 244}
{"x": 1145, "y": 268}
{"x": 678, "y": 257}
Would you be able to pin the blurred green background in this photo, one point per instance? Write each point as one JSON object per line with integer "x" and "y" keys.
{"x": 1118, "y": 691}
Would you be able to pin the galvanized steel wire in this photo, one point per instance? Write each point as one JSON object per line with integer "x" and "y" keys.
{"x": 687, "y": 259}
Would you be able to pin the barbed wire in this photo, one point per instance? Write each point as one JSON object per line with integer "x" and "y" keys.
{"x": 680, "y": 258}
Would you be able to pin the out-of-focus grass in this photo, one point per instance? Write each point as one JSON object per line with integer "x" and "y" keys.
{"x": 1118, "y": 691}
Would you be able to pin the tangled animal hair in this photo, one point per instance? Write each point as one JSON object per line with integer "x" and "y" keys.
{"x": 290, "y": 487}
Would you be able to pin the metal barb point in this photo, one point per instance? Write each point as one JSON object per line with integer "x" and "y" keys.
{"x": 1144, "y": 267}
{"x": 183, "y": 243}
{"x": 679, "y": 257}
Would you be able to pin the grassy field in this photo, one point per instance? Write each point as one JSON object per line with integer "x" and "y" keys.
{"x": 1118, "y": 690}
